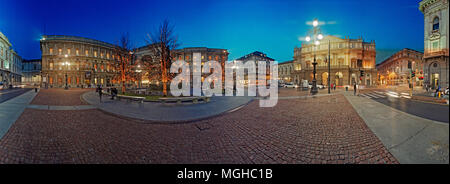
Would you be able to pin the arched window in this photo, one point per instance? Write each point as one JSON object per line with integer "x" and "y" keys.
{"x": 436, "y": 23}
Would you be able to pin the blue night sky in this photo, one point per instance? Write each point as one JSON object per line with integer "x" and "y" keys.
{"x": 241, "y": 26}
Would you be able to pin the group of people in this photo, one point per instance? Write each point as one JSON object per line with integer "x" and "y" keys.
{"x": 112, "y": 90}
{"x": 438, "y": 92}
{"x": 333, "y": 86}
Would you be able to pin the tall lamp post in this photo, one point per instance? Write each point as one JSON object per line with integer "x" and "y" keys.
{"x": 316, "y": 37}
{"x": 66, "y": 64}
{"x": 139, "y": 76}
{"x": 329, "y": 67}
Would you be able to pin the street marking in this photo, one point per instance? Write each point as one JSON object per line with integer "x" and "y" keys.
{"x": 371, "y": 95}
{"x": 379, "y": 95}
{"x": 395, "y": 96}
{"x": 364, "y": 95}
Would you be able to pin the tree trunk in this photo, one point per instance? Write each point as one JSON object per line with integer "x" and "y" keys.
{"x": 164, "y": 80}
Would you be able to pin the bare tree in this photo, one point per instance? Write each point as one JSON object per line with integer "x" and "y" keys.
{"x": 125, "y": 61}
{"x": 152, "y": 67}
{"x": 162, "y": 43}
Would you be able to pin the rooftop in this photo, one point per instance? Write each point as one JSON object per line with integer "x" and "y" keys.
{"x": 75, "y": 39}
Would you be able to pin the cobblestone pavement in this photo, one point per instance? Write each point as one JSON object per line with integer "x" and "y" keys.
{"x": 295, "y": 131}
{"x": 289, "y": 92}
{"x": 58, "y": 96}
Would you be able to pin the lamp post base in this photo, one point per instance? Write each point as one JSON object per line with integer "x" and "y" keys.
{"x": 314, "y": 89}
{"x": 66, "y": 88}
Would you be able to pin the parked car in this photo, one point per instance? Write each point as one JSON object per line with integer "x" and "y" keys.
{"x": 305, "y": 84}
{"x": 281, "y": 85}
{"x": 319, "y": 86}
{"x": 290, "y": 85}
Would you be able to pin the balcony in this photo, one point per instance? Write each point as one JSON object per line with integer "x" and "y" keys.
{"x": 430, "y": 54}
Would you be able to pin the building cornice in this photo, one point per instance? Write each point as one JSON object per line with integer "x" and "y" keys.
{"x": 5, "y": 39}
{"x": 64, "y": 38}
{"x": 426, "y": 3}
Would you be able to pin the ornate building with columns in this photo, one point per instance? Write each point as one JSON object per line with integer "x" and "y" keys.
{"x": 436, "y": 45}
{"x": 348, "y": 58}
{"x": 285, "y": 70}
{"x": 81, "y": 62}
{"x": 10, "y": 64}
{"x": 396, "y": 70}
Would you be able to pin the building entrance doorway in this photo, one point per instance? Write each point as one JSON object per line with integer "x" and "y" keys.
{"x": 434, "y": 80}
{"x": 434, "y": 72}
{"x": 339, "y": 79}
{"x": 325, "y": 78}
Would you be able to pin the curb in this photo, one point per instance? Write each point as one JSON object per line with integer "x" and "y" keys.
{"x": 147, "y": 121}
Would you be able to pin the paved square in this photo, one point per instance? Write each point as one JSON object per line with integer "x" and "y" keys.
{"x": 295, "y": 131}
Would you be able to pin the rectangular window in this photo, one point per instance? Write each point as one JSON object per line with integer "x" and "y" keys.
{"x": 435, "y": 46}
{"x": 95, "y": 53}
{"x": 68, "y": 51}
{"x": 51, "y": 66}
{"x": 107, "y": 55}
{"x": 60, "y": 51}
{"x": 77, "y": 52}
{"x": 86, "y": 52}
{"x": 101, "y": 54}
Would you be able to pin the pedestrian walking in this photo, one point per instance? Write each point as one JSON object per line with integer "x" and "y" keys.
{"x": 354, "y": 88}
{"x": 113, "y": 93}
{"x": 436, "y": 93}
{"x": 100, "y": 92}
{"x": 334, "y": 85}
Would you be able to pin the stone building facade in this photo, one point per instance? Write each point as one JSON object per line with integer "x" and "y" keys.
{"x": 207, "y": 54}
{"x": 285, "y": 70}
{"x": 348, "y": 58}
{"x": 81, "y": 62}
{"x": 10, "y": 64}
{"x": 436, "y": 45}
{"x": 31, "y": 72}
{"x": 396, "y": 70}
{"x": 255, "y": 57}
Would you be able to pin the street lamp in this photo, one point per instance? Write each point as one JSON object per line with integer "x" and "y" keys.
{"x": 139, "y": 75}
{"x": 66, "y": 64}
{"x": 315, "y": 38}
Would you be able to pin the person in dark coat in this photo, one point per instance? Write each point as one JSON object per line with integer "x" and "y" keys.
{"x": 100, "y": 92}
{"x": 354, "y": 88}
